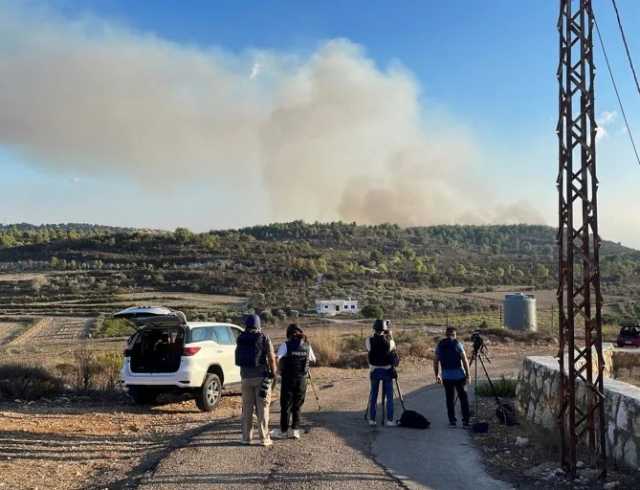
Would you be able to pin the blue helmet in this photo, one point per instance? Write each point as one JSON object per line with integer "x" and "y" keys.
{"x": 252, "y": 322}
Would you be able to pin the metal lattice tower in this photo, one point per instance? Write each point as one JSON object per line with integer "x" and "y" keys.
{"x": 579, "y": 298}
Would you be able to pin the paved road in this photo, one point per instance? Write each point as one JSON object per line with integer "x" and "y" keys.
{"x": 338, "y": 451}
{"x": 439, "y": 458}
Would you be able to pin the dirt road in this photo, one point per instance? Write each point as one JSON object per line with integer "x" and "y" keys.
{"x": 336, "y": 451}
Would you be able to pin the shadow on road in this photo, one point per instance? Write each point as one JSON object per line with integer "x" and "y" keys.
{"x": 337, "y": 450}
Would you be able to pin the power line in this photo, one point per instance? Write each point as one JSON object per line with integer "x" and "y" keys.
{"x": 626, "y": 45}
{"x": 615, "y": 88}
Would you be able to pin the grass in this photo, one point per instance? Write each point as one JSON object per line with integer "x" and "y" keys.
{"x": 348, "y": 350}
{"x": 503, "y": 387}
{"x": 326, "y": 347}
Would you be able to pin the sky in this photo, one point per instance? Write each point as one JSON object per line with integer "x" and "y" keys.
{"x": 224, "y": 114}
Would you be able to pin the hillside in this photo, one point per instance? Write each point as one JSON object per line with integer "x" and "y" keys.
{"x": 293, "y": 263}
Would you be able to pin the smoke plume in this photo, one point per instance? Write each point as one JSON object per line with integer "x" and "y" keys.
{"x": 331, "y": 135}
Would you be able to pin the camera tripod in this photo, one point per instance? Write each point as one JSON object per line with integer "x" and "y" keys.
{"x": 504, "y": 411}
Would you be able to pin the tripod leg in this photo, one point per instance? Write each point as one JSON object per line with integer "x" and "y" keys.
{"x": 475, "y": 392}
{"x": 493, "y": 389}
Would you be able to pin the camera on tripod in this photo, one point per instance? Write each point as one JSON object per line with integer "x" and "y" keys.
{"x": 479, "y": 346}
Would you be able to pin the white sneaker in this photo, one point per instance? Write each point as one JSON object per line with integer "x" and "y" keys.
{"x": 266, "y": 442}
{"x": 278, "y": 434}
{"x": 295, "y": 433}
{"x": 372, "y": 423}
{"x": 390, "y": 423}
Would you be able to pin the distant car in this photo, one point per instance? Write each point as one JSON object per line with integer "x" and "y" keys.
{"x": 629, "y": 336}
{"x": 168, "y": 354}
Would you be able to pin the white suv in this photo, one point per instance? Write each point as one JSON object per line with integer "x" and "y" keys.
{"x": 167, "y": 353}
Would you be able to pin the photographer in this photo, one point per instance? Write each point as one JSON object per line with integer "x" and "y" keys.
{"x": 254, "y": 355}
{"x": 294, "y": 357}
{"x": 455, "y": 374}
{"x": 382, "y": 360}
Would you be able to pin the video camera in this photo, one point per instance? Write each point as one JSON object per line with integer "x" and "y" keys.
{"x": 479, "y": 347}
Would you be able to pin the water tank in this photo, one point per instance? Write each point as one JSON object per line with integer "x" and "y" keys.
{"x": 520, "y": 312}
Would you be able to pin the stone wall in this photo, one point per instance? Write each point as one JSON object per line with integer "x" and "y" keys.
{"x": 537, "y": 397}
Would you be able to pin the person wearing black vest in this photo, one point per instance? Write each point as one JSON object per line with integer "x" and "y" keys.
{"x": 455, "y": 374}
{"x": 254, "y": 354}
{"x": 294, "y": 357}
{"x": 381, "y": 348}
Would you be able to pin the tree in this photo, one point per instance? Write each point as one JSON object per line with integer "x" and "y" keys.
{"x": 372, "y": 311}
{"x": 183, "y": 235}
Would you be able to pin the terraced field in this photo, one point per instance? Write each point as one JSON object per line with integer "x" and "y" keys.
{"x": 55, "y": 331}
{"x": 10, "y": 330}
{"x": 91, "y": 303}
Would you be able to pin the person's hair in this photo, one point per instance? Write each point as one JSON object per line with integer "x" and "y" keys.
{"x": 451, "y": 330}
{"x": 294, "y": 331}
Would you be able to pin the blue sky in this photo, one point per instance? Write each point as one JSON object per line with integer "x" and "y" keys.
{"x": 485, "y": 68}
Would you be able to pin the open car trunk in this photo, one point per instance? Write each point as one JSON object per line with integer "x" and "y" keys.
{"x": 157, "y": 345}
{"x": 157, "y": 350}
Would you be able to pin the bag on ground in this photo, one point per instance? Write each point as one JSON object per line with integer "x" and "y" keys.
{"x": 413, "y": 420}
{"x": 506, "y": 414}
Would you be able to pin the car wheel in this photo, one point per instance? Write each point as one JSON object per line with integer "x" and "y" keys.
{"x": 143, "y": 395}
{"x": 620, "y": 343}
{"x": 210, "y": 393}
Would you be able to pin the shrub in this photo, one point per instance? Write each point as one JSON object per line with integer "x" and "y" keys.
{"x": 414, "y": 344}
{"x": 109, "y": 365}
{"x": 28, "y": 382}
{"x": 114, "y": 327}
{"x": 87, "y": 369}
{"x": 267, "y": 317}
{"x": 504, "y": 388}
{"x": 353, "y": 343}
{"x": 372, "y": 311}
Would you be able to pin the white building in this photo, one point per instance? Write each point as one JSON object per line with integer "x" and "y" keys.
{"x": 332, "y": 307}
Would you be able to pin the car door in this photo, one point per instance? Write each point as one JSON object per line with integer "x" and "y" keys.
{"x": 227, "y": 353}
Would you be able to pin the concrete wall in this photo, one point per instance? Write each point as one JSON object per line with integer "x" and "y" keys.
{"x": 537, "y": 398}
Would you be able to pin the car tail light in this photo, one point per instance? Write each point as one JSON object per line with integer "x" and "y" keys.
{"x": 127, "y": 353}
{"x": 190, "y": 351}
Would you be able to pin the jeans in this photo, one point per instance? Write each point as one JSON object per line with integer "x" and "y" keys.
{"x": 292, "y": 394}
{"x": 450, "y": 388}
{"x": 384, "y": 375}
{"x": 251, "y": 400}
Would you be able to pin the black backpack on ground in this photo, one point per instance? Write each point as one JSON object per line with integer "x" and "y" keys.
{"x": 410, "y": 418}
{"x": 506, "y": 414}
{"x": 413, "y": 420}
{"x": 251, "y": 349}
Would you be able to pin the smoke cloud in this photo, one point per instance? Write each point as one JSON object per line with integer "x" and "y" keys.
{"x": 330, "y": 134}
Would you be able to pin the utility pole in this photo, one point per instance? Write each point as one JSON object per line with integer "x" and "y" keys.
{"x": 579, "y": 296}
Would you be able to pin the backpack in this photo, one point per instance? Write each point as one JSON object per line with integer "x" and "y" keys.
{"x": 251, "y": 349}
{"x": 413, "y": 420}
{"x": 506, "y": 414}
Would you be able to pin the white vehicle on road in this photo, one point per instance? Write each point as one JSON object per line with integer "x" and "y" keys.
{"x": 167, "y": 354}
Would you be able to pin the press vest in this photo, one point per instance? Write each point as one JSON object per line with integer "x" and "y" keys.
{"x": 296, "y": 362}
{"x": 380, "y": 351}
